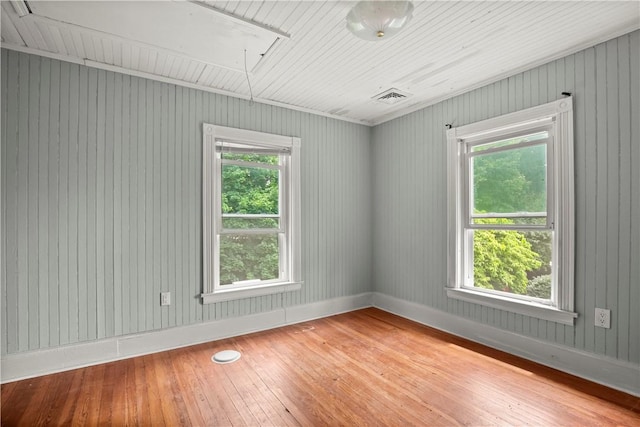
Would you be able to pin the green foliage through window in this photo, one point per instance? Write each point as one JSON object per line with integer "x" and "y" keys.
{"x": 503, "y": 260}
{"x": 249, "y": 190}
{"x": 253, "y": 191}
{"x": 248, "y": 257}
{"x": 511, "y": 181}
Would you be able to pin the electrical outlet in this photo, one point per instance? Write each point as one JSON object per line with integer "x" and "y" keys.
{"x": 603, "y": 318}
{"x": 165, "y": 298}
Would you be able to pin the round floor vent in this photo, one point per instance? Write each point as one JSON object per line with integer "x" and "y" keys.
{"x": 226, "y": 356}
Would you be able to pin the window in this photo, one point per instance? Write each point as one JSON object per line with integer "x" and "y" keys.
{"x": 251, "y": 211}
{"x": 510, "y": 193}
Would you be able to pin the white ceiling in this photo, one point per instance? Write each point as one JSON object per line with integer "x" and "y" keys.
{"x": 311, "y": 62}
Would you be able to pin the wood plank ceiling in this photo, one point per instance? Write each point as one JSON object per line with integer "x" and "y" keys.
{"x": 448, "y": 48}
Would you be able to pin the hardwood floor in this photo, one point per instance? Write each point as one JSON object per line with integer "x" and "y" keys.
{"x": 361, "y": 368}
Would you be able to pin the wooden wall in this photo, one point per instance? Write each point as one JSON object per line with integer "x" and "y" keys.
{"x": 101, "y": 203}
{"x": 410, "y": 202}
{"x": 101, "y": 200}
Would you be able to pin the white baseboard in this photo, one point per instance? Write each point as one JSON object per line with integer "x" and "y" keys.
{"x": 303, "y": 313}
{"x": 600, "y": 369}
{"x": 603, "y": 370}
{"x": 30, "y": 364}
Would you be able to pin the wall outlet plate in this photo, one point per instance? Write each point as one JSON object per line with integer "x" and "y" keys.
{"x": 603, "y": 318}
{"x": 165, "y": 298}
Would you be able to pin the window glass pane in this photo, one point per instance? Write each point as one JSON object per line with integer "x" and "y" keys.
{"x": 249, "y": 190}
{"x": 510, "y": 181}
{"x": 248, "y": 223}
{"x": 517, "y": 262}
{"x": 511, "y": 141}
{"x": 248, "y": 257}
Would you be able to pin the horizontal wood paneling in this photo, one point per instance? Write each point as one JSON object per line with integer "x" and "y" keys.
{"x": 410, "y": 204}
{"x": 101, "y": 203}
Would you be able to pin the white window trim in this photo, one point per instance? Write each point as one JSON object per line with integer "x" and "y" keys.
{"x": 560, "y": 112}
{"x": 210, "y": 187}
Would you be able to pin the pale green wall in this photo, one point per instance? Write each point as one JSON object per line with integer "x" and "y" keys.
{"x": 409, "y": 164}
{"x": 101, "y": 200}
{"x": 101, "y": 203}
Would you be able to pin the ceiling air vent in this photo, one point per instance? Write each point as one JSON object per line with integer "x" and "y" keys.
{"x": 391, "y": 96}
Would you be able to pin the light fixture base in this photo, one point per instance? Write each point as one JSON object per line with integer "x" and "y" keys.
{"x": 377, "y": 20}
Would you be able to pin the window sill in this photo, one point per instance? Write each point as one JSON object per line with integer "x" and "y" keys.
{"x": 256, "y": 291}
{"x": 525, "y": 308}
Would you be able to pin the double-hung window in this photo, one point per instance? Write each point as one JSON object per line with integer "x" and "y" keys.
{"x": 251, "y": 211}
{"x": 511, "y": 212}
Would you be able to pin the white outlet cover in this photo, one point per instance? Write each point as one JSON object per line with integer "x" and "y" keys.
{"x": 603, "y": 318}
{"x": 165, "y": 298}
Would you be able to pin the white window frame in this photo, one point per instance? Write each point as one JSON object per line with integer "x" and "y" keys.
{"x": 557, "y": 118}
{"x": 289, "y": 232}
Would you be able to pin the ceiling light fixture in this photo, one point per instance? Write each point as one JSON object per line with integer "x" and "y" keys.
{"x": 377, "y": 20}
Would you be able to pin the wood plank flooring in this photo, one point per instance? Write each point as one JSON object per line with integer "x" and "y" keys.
{"x": 364, "y": 368}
